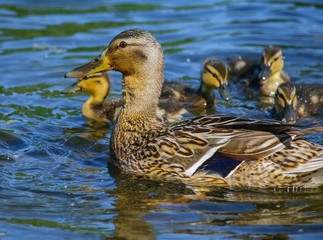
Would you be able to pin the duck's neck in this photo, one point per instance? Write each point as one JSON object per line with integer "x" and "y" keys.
{"x": 137, "y": 117}
{"x": 141, "y": 92}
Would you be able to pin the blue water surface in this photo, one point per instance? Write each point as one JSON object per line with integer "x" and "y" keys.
{"x": 54, "y": 178}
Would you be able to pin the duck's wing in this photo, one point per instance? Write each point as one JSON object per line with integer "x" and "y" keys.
{"x": 190, "y": 144}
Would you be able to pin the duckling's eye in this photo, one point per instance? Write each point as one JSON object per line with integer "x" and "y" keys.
{"x": 123, "y": 44}
{"x": 215, "y": 75}
{"x": 279, "y": 94}
{"x": 277, "y": 58}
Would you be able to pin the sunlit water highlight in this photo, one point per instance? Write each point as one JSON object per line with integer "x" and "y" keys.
{"x": 54, "y": 179}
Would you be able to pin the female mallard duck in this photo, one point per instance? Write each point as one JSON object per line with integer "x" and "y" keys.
{"x": 205, "y": 150}
{"x": 293, "y": 102}
{"x": 98, "y": 109}
{"x": 271, "y": 74}
{"x": 213, "y": 76}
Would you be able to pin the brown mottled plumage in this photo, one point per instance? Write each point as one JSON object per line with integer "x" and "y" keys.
{"x": 205, "y": 150}
{"x": 294, "y": 102}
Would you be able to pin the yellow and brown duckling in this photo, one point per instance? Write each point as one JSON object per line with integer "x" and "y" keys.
{"x": 266, "y": 74}
{"x": 292, "y": 103}
{"x": 206, "y": 150}
{"x": 213, "y": 76}
{"x": 244, "y": 69}
{"x": 271, "y": 71}
{"x": 98, "y": 109}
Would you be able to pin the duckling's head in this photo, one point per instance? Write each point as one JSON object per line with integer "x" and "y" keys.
{"x": 286, "y": 102}
{"x": 95, "y": 84}
{"x": 272, "y": 62}
{"x": 98, "y": 85}
{"x": 214, "y": 76}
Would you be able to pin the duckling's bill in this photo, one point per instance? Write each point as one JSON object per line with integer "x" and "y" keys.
{"x": 225, "y": 92}
{"x": 72, "y": 88}
{"x": 265, "y": 73}
{"x": 99, "y": 64}
{"x": 290, "y": 114}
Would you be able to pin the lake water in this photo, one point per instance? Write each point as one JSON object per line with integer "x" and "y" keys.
{"x": 54, "y": 179}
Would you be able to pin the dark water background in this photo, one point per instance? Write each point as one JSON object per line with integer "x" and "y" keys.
{"x": 54, "y": 180}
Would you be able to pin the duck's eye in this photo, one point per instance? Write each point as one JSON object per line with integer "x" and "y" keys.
{"x": 123, "y": 44}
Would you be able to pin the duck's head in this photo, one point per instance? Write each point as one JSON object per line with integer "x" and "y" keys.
{"x": 139, "y": 57}
{"x": 214, "y": 76}
{"x": 131, "y": 51}
{"x": 272, "y": 62}
{"x": 97, "y": 84}
{"x": 286, "y": 102}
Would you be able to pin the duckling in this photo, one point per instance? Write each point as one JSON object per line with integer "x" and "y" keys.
{"x": 272, "y": 74}
{"x": 265, "y": 75}
{"x": 244, "y": 69}
{"x": 97, "y": 109}
{"x": 207, "y": 150}
{"x": 292, "y": 103}
{"x": 213, "y": 76}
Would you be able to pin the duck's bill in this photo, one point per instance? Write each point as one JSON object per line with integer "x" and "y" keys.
{"x": 225, "y": 93}
{"x": 72, "y": 89}
{"x": 99, "y": 64}
{"x": 290, "y": 114}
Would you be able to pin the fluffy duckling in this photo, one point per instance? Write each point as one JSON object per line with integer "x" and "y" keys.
{"x": 213, "y": 76}
{"x": 243, "y": 69}
{"x": 203, "y": 151}
{"x": 95, "y": 107}
{"x": 266, "y": 74}
{"x": 271, "y": 74}
{"x": 292, "y": 103}
{"x": 98, "y": 109}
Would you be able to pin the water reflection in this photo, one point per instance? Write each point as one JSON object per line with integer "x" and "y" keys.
{"x": 143, "y": 206}
{"x": 92, "y": 130}
{"x": 53, "y": 176}
{"x": 136, "y": 197}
